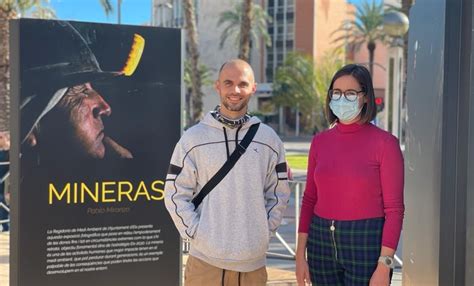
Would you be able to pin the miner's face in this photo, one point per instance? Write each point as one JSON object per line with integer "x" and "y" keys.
{"x": 86, "y": 108}
{"x": 79, "y": 116}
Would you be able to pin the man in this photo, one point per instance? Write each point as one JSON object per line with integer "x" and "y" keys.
{"x": 61, "y": 112}
{"x": 230, "y": 230}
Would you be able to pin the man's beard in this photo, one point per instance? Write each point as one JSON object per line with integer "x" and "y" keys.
{"x": 235, "y": 107}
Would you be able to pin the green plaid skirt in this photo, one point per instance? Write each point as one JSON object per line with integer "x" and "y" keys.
{"x": 343, "y": 252}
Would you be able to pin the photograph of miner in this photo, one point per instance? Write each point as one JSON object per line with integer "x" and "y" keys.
{"x": 62, "y": 114}
{"x": 96, "y": 101}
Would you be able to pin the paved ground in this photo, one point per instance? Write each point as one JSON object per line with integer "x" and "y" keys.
{"x": 4, "y": 258}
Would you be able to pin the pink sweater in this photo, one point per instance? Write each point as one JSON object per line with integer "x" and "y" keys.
{"x": 355, "y": 172}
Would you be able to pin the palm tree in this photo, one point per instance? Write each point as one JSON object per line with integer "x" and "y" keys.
{"x": 193, "y": 53}
{"x": 11, "y": 9}
{"x": 244, "y": 27}
{"x": 206, "y": 78}
{"x": 299, "y": 82}
{"x": 107, "y": 6}
{"x": 365, "y": 28}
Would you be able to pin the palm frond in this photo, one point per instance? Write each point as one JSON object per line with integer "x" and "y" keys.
{"x": 226, "y": 33}
{"x": 232, "y": 20}
{"x": 107, "y": 6}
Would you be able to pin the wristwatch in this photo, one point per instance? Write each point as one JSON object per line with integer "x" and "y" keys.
{"x": 387, "y": 261}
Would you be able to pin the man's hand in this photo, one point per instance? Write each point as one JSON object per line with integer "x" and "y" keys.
{"x": 381, "y": 276}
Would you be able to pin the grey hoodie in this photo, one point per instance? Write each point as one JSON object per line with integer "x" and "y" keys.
{"x": 232, "y": 226}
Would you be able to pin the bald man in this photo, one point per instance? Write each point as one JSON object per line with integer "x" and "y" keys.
{"x": 229, "y": 230}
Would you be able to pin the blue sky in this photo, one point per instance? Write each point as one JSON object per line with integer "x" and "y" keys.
{"x": 134, "y": 12}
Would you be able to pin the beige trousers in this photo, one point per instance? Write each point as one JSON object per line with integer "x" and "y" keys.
{"x": 200, "y": 273}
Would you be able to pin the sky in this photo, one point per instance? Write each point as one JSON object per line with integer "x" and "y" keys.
{"x": 134, "y": 12}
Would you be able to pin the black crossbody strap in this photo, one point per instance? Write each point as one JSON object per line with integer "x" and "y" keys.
{"x": 228, "y": 165}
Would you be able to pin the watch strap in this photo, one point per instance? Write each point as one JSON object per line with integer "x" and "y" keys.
{"x": 387, "y": 261}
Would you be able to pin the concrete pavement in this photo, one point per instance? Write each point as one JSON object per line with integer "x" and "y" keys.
{"x": 4, "y": 258}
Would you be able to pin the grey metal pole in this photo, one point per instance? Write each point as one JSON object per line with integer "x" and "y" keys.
{"x": 285, "y": 244}
{"x": 281, "y": 121}
{"x": 119, "y": 15}
{"x": 297, "y": 210}
{"x": 162, "y": 14}
{"x": 297, "y": 129}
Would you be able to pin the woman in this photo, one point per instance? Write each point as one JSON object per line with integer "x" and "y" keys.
{"x": 352, "y": 209}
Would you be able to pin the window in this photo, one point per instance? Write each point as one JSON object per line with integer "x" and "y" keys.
{"x": 269, "y": 74}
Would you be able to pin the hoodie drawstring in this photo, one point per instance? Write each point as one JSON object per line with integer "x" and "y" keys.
{"x": 237, "y": 136}
{"x": 226, "y": 143}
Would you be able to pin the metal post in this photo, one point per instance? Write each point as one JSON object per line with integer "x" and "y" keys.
{"x": 162, "y": 16}
{"x": 297, "y": 131}
{"x": 119, "y": 14}
{"x": 281, "y": 121}
{"x": 297, "y": 210}
{"x": 397, "y": 89}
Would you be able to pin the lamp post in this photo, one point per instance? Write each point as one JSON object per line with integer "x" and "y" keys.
{"x": 395, "y": 25}
{"x": 119, "y": 11}
{"x": 347, "y": 26}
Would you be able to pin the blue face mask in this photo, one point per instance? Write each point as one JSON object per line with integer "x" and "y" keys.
{"x": 344, "y": 109}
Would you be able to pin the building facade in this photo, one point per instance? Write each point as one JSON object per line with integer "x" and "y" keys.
{"x": 305, "y": 26}
{"x": 208, "y": 12}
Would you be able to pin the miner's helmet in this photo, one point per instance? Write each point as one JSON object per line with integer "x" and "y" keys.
{"x": 57, "y": 57}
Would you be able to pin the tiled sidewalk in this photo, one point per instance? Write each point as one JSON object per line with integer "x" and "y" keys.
{"x": 4, "y": 258}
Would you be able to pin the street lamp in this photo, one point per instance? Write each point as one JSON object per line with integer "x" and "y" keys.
{"x": 347, "y": 27}
{"x": 395, "y": 25}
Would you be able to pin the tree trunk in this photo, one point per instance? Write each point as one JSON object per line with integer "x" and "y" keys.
{"x": 245, "y": 27}
{"x": 5, "y": 15}
{"x": 193, "y": 53}
{"x": 188, "y": 116}
{"x": 371, "y": 48}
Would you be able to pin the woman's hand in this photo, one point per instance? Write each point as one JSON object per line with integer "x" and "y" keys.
{"x": 302, "y": 271}
{"x": 381, "y": 276}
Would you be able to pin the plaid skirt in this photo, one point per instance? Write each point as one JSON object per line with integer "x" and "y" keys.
{"x": 343, "y": 252}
